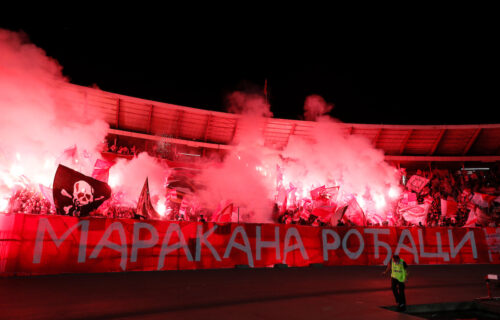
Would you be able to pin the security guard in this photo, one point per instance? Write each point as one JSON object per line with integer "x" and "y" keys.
{"x": 399, "y": 275}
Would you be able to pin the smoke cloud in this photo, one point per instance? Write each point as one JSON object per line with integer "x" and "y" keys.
{"x": 128, "y": 176}
{"x": 39, "y": 120}
{"x": 253, "y": 105}
{"x": 315, "y": 106}
{"x": 248, "y": 176}
{"x": 240, "y": 177}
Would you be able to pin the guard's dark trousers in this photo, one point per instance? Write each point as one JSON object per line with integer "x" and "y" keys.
{"x": 398, "y": 288}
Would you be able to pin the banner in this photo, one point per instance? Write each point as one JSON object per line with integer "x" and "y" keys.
{"x": 38, "y": 244}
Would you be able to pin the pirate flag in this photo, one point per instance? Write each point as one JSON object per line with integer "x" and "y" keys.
{"x": 76, "y": 194}
{"x": 144, "y": 207}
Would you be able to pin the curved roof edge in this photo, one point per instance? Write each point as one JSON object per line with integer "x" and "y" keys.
{"x": 186, "y": 125}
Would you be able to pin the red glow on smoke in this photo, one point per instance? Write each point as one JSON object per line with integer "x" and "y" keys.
{"x": 39, "y": 124}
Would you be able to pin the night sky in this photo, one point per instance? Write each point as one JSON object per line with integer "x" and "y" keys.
{"x": 438, "y": 76}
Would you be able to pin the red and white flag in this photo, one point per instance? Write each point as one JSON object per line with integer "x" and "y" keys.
{"x": 70, "y": 152}
{"x": 449, "y": 208}
{"x": 317, "y": 193}
{"x": 338, "y": 215}
{"x": 415, "y": 213}
{"x": 101, "y": 170}
{"x": 483, "y": 200}
{"x": 417, "y": 183}
{"x": 471, "y": 220}
{"x": 355, "y": 213}
{"x": 224, "y": 214}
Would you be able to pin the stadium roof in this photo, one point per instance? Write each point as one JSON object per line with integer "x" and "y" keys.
{"x": 154, "y": 120}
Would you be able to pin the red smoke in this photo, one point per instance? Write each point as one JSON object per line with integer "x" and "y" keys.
{"x": 40, "y": 120}
{"x": 249, "y": 176}
{"x": 315, "y": 106}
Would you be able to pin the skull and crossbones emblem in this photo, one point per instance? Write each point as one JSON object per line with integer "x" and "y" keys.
{"x": 83, "y": 194}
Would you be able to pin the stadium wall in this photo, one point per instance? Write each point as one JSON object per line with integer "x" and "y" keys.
{"x": 39, "y": 244}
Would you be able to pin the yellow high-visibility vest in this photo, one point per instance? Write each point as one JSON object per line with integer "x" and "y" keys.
{"x": 398, "y": 271}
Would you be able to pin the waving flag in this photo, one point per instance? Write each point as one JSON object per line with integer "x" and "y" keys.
{"x": 471, "y": 220}
{"x": 224, "y": 214}
{"x": 417, "y": 183}
{"x": 338, "y": 215}
{"x": 449, "y": 208}
{"x": 415, "y": 213}
{"x": 483, "y": 200}
{"x": 355, "y": 214}
{"x": 70, "y": 152}
{"x": 76, "y": 194}
{"x": 101, "y": 170}
{"x": 144, "y": 207}
{"x": 323, "y": 212}
{"x": 317, "y": 193}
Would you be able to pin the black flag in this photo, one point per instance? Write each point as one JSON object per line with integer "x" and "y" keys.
{"x": 76, "y": 194}
{"x": 144, "y": 206}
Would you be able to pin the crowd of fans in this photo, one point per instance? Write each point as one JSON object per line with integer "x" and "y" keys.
{"x": 157, "y": 150}
{"x": 462, "y": 187}
{"x": 114, "y": 147}
{"x": 30, "y": 201}
{"x": 459, "y": 187}
{"x": 122, "y": 150}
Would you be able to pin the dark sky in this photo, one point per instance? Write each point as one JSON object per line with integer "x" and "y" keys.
{"x": 442, "y": 75}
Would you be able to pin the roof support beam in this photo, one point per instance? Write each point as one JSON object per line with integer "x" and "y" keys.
{"x": 264, "y": 127}
{"x": 234, "y": 130}
{"x": 349, "y": 131}
{"x": 471, "y": 141}
{"x": 180, "y": 114}
{"x": 375, "y": 139}
{"x": 436, "y": 143}
{"x": 205, "y": 135}
{"x": 118, "y": 113}
{"x": 292, "y": 131}
{"x": 150, "y": 119}
{"x": 405, "y": 140}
